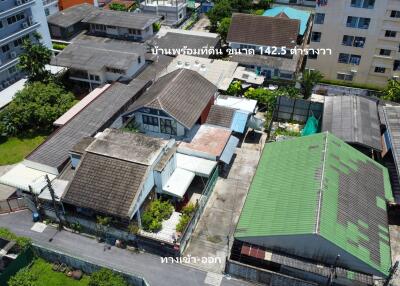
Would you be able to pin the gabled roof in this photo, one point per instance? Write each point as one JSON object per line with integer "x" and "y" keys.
{"x": 183, "y": 94}
{"x": 71, "y": 15}
{"x": 353, "y": 119}
{"x": 290, "y": 13}
{"x": 100, "y": 112}
{"x": 121, "y": 19}
{"x": 320, "y": 185}
{"x": 264, "y": 31}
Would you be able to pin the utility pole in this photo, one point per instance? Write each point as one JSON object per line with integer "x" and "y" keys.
{"x": 55, "y": 206}
{"x": 332, "y": 275}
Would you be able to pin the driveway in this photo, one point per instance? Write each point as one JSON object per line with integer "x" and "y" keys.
{"x": 217, "y": 224}
{"x": 143, "y": 264}
{"x": 202, "y": 24}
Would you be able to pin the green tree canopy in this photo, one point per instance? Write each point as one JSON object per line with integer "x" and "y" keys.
{"x": 105, "y": 277}
{"x": 34, "y": 59}
{"x": 392, "y": 91}
{"x": 117, "y": 7}
{"x": 241, "y": 5}
{"x": 222, "y": 9}
{"x": 223, "y": 28}
{"x": 35, "y": 108}
{"x": 235, "y": 88}
{"x": 309, "y": 79}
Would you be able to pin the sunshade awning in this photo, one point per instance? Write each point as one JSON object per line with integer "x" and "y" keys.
{"x": 178, "y": 183}
{"x": 239, "y": 121}
{"x": 59, "y": 187}
{"x": 21, "y": 177}
{"x": 229, "y": 150}
{"x": 199, "y": 166}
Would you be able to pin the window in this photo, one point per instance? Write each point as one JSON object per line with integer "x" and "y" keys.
{"x": 367, "y": 4}
{"x": 349, "y": 59}
{"x": 358, "y": 22}
{"x": 390, "y": 34}
{"x": 313, "y": 55}
{"x": 385, "y": 52}
{"x": 319, "y": 18}
{"x": 15, "y": 18}
{"x": 5, "y": 48}
{"x": 114, "y": 70}
{"x": 20, "y": 41}
{"x": 357, "y": 42}
{"x": 167, "y": 126}
{"x": 94, "y": 77}
{"x": 396, "y": 65}
{"x": 150, "y": 120}
{"x": 47, "y": 11}
{"x": 139, "y": 60}
{"x": 12, "y": 70}
{"x": 316, "y": 37}
{"x": 380, "y": 70}
{"x": 395, "y": 14}
{"x": 344, "y": 76}
{"x": 132, "y": 31}
{"x": 1, "y": 24}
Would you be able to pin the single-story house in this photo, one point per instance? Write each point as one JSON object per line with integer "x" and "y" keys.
{"x": 67, "y": 23}
{"x": 173, "y": 105}
{"x": 121, "y": 25}
{"x": 319, "y": 200}
{"x": 94, "y": 61}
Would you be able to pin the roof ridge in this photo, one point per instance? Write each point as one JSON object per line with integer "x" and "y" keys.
{"x": 318, "y": 218}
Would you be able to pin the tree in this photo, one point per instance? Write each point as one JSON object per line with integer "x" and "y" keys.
{"x": 392, "y": 91}
{"x": 223, "y": 28}
{"x": 263, "y": 96}
{"x": 309, "y": 79}
{"x": 241, "y": 5}
{"x": 235, "y": 88}
{"x": 34, "y": 59}
{"x": 265, "y": 4}
{"x": 24, "y": 277}
{"x": 105, "y": 277}
{"x": 222, "y": 9}
{"x": 35, "y": 108}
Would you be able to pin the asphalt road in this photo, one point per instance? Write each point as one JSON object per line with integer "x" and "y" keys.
{"x": 143, "y": 264}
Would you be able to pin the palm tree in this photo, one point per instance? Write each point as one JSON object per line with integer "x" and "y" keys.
{"x": 309, "y": 79}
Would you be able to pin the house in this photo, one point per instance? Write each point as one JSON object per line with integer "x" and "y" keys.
{"x": 218, "y": 72}
{"x": 354, "y": 119}
{"x": 172, "y": 12}
{"x": 272, "y": 40}
{"x": 308, "y": 3}
{"x": 317, "y": 210}
{"x": 121, "y": 25}
{"x": 94, "y": 61}
{"x": 173, "y": 42}
{"x": 67, "y": 23}
{"x": 173, "y": 105}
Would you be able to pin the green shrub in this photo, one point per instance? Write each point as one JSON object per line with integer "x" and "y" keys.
{"x": 59, "y": 46}
{"x": 117, "y": 7}
{"x": 258, "y": 12}
{"x": 183, "y": 222}
{"x": 105, "y": 277}
{"x": 189, "y": 209}
{"x": 156, "y": 27}
{"x": 24, "y": 277}
{"x": 22, "y": 242}
{"x": 154, "y": 215}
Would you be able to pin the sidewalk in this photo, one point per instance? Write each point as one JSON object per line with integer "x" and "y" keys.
{"x": 146, "y": 265}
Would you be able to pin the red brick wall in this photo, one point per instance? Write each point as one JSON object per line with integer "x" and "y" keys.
{"x": 206, "y": 110}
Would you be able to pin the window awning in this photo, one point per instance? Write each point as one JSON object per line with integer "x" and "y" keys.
{"x": 239, "y": 121}
{"x": 178, "y": 183}
{"x": 199, "y": 166}
{"x": 229, "y": 150}
{"x": 21, "y": 177}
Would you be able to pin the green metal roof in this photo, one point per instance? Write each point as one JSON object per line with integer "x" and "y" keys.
{"x": 319, "y": 184}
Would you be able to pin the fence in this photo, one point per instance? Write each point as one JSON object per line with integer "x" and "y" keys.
{"x": 296, "y": 109}
{"x": 201, "y": 205}
{"x": 12, "y": 205}
{"x": 22, "y": 260}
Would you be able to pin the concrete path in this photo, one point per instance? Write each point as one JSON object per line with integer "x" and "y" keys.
{"x": 143, "y": 264}
{"x": 219, "y": 219}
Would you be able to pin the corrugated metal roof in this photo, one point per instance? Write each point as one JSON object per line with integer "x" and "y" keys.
{"x": 318, "y": 184}
{"x": 239, "y": 121}
{"x": 229, "y": 150}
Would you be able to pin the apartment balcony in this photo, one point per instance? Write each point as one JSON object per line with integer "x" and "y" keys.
{"x": 47, "y": 3}
{"x": 6, "y": 65}
{"x": 20, "y": 5}
{"x": 26, "y": 29}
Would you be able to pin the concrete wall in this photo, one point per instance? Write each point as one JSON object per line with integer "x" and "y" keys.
{"x": 333, "y": 30}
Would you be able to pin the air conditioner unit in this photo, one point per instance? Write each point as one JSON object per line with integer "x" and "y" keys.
{"x": 19, "y": 2}
{"x": 30, "y": 20}
{"x": 353, "y": 71}
{"x": 13, "y": 55}
{"x": 25, "y": 25}
{"x": 396, "y": 77}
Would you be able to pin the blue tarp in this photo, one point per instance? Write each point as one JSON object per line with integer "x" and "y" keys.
{"x": 239, "y": 121}
{"x": 230, "y": 147}
{"x": 292, "y": 13}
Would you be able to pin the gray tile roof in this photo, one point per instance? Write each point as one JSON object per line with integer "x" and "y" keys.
{"x": 81, "y": 146}
{"x": 121, "y": 19}
{"x": 281, "y": 63}
{"x": 354, "y": 119}
{"x": 220, "y": 116}
{"x": 106, "y": 185}
{"x": 183, "y": 94}
{"x": 155, "y": 67}
{"x": 179, "y": 40}
{"x": 264, "y": 31}
{"x": 70, "y": 16}
{"x": 96, "y": 53}
{"x": 99, "y": 114}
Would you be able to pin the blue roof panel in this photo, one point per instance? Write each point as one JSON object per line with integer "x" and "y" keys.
{"x": 239, "y": 121}
{"x": 292, "y": 13}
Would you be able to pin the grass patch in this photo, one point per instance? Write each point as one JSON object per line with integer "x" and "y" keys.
{"x": 15, "y": 149}
{"x": 47, "y": 276}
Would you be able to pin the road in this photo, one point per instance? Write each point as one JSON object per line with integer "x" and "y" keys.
{"x": 143, "y": 264}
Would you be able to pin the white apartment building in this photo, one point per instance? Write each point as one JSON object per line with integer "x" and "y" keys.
{"x": 50, "y": 7}
{"x": 364, "y": 36}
